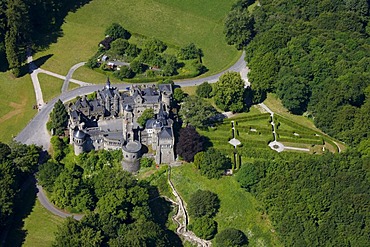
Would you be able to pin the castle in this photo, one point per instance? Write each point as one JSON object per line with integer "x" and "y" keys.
{"x": 109, "y": 121}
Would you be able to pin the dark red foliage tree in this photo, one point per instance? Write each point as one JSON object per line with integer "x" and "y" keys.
{"x": 189, "y": 144}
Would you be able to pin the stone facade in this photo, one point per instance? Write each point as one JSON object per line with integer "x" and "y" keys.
{"x": 109, "y": 121}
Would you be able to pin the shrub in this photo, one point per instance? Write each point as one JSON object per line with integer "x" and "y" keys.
{"x": 231, "y": 237}
{"x": 204, "y": 90}
{"x": 203, "y": 203}
{"x": 116, "y": 31}
{"x": 204, "y": 227}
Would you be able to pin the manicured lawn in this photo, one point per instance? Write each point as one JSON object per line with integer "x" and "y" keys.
{"x": 239, "y": 209}
{"x": 40, "y": 226}
{"x": 50, "y": 86}
{"x": 16, "y": 101}
{"x": 277, "y": 107}
{"x": 72, "y": 85}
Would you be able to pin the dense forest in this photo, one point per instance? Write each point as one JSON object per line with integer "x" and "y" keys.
{"x": 315, "y": 55}
{"x": 17, "y": 164}
{"x": 29, "y": 23}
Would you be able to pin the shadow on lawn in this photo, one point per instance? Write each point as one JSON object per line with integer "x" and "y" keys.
{"x": 47, "y": 19}
{"x": 23, "y": 208}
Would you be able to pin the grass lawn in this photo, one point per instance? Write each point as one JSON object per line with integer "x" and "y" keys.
{"x": 16, "y": 101}
{"x": 50, "y": 86}
{"x": 277, "y": 107}
{"x": 239, "y": 209}
{"x": 40, "y": 226}
{"x": 175, "y": 22}
{"x": 72, "y": 85}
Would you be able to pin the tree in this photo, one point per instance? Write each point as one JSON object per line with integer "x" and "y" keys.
{"x": 137, "y": 67}
{"x": 197, "y": 112}
{"x": 116, "y": 31}
{"x": 146, "y": 162}
{"x": 119, "y": 47}
{"x": 5, "y": 151}
{"x": 155, "y": 45}
{"x": 229, "y": 92}
{"x": 231, "y": 237}
{"x": 59, "y": 118}
{"x": 203, "y": 203}
{"x": 125, "y": 72}
{"x": 213, "y": 164}
{"x": 248, "y": 175}
{"x": 178, "y": 95}
{"x": 204, "y": 90}
{"x": 239, "y": 28}
{"x": 189, "y": 144}
{"x": 294, "y": 94}
{"x": 145, "y": 116}
{"x": 17, "y": 34}
{"x": 48, "y": 173}
{"x": 190, "y": 51}
{"x": 204, "y": 227}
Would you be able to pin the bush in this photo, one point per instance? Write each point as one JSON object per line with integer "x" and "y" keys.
{"x": 146, "y": 162}
{"x": 204, "y": 90}
{"x": 204, "y": 227}
{"x": 124, "y": 72}
{"x": 116, "y": 31}
{"x": 231, "y": 237}
{"x": 203, "y": 203}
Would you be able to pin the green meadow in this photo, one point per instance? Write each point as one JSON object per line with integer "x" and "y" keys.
{"x": 239, "y": 209}
{"x": 175, "y": 22}
{"x": 16, "y": 105}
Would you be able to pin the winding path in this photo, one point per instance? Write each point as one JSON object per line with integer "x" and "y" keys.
{"x": 182, "y": 219}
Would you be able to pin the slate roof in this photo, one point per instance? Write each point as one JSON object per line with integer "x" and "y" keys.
{"x": 166, "y": 133}
{"x": 167, "y": 88}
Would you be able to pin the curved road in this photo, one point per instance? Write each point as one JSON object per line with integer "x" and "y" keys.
{"x": 36, "y": 133}
{"x": 69, "y": 76}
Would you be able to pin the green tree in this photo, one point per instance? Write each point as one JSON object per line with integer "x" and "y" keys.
{"x": 145, "y": 116}
{"x": 146, "y": 162}
{"x": 294, "y": 94}
{"x": 190, "y": 51}
{"x": 197, "y": 112}
{"x": 125, "y": 72}
{"x": 204, "y": 227}
{"x": 116, "y": 31}
{"x": 48, "y": 173}
{"x": 137, "y": 67}
{"x": 231, "y": 237}
{"x": 214, "y": 163}
{"x": 203, "y": 203}
{"x": 239, "y": 28}
{"x": 59, "y": 118}
{"x": 155, "y": 45}
{"x": 248, "y": 175}
{"x": 119, "y": 47}
{"x": 229, "y": 92}
{"x": 204, "y": 90}
{"x": 178, "y": 94}
{"x": 5, "y": 151}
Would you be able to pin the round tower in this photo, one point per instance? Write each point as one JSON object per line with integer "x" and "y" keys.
{"x": 131, "y": 154}
{"x": 79, "y": 140}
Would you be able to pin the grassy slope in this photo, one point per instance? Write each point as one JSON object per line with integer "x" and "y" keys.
{"x": 173, "y": 21}
{"x": 40, "y": 226}
{"x": 16, "y": 101}
{"x": 239, "y": 209}
{"x": 50, "y": 86}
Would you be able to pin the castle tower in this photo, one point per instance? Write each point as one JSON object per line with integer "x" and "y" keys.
{"x": 128, "y": 117}
{"x": 79, "y": 140}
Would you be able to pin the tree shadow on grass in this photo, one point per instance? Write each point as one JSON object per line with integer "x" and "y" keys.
{"x": 23, "y": 208}
{"x": 48, "y": 17}
{"x": 26, "y": 69}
